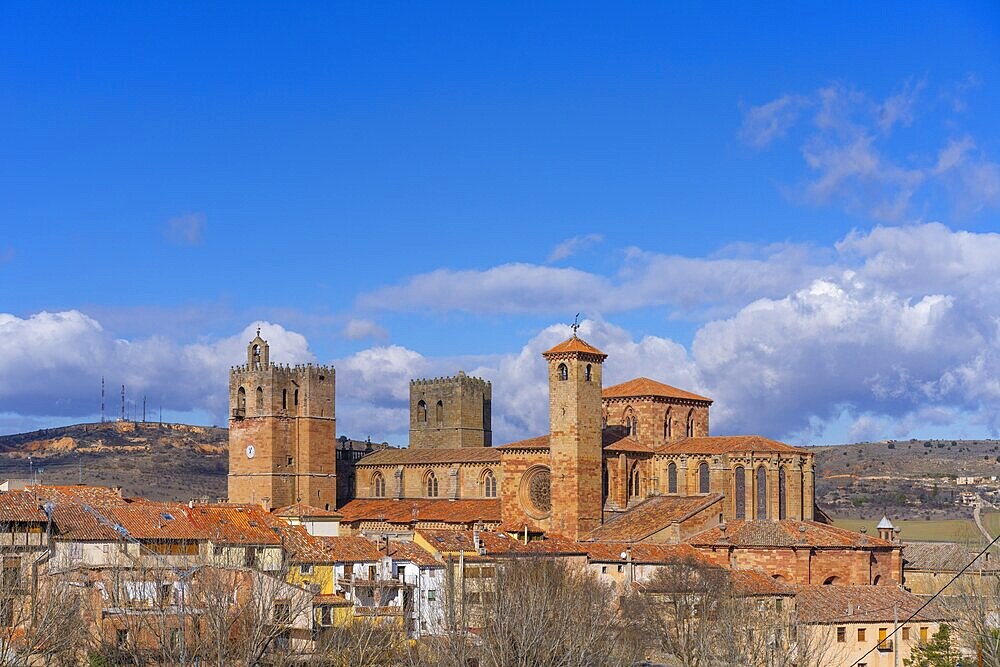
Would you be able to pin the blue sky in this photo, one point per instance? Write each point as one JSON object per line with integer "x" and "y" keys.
{"x": 402, "y": 189}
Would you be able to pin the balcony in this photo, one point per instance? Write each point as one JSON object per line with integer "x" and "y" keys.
{"x": 239, "y": 413}
{"x": 885, "y": 646}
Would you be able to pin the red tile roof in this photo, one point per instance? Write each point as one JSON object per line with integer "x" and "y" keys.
{"x": 642, "y": 386}
{"x": 723, "y": 444}
{"x": 429, "y": 509}
{"x": 21, "y": 507}
{"x": 614, "y": 439}
{"x": 161, "y": 521}
{"x": 574, "y": 344}
{"x": 642, "y": 553}
{"x": 419, "y": 456}
{"x": 410, "y": 552}
{"x": 538, "y": 442}
{"x": 861, "y": 604}
{"x": 236, "y": 524}
{"x": 785, "y": 533}
{"x": 748, "y": 583}
{"x": 455, "y": 541}
{"x": 306, "y": 548}
{"x": 651, "y": 516}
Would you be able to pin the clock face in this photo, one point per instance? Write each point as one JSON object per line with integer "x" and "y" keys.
{"x": 250, "y": 451}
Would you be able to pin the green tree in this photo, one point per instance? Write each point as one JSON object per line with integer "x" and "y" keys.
{"x": 940, "y": 651}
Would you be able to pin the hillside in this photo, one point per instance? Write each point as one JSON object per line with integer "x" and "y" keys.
{"x": 158, "y": 461}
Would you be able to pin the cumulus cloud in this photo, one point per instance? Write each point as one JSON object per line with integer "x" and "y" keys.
{"x": 847, "y": 150}
{"x": 361, "y": 329}
{"x": 185, "y": 229}
{"x": 573, "y": 245}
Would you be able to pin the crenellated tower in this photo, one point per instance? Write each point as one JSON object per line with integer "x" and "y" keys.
{"x": 282, "y": 432}
{"x": 451, "y": 412}
{"x": 575, "y": 436}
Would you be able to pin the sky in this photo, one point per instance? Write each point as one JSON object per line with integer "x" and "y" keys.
{"x": 791, "y": 208}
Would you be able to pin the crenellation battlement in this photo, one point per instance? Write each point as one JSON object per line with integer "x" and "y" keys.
{"x": 451, "y": 380}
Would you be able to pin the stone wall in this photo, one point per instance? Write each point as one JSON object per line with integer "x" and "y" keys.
{"x": 451, "y": 412}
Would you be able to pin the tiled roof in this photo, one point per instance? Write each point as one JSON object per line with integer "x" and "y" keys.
{"x": 723, "y": 444}
{"x": 21, "y": 507}
{"x": 424, "y": 509}
{"x": 944, "y": 557}
{"x": 328, "y": 598}
{"x": 302, "y": 510}
{"x": 305, "y": 548}
{"x": 455, "y": 541}
{"x": 614, "y": 439}
{"x": 418, "y": 456}
{"x": 646, "y": 387}
{"x": 747, "y": 583}
{"x": 235, "y": 524}
{"x": 650, "y": 516}
{"x": 92, "y": 495}
{"x": 410, "y": 552}
{"x": 785, "y": 533}
{"x": 642, "y": 553}
{"x": 861, "y": 604}
{"x": 574, "y": 344}
{"x": 538, "y": 442}
{"x": 161, "y": 521}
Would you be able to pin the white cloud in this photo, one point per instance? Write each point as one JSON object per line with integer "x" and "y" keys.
{"x": 767, "y": 122}
{"x": 185, "y": 229}
{"x": 360, "y": 329}
{"x": 571, "y": 246}
{"x": 899, "y": 108}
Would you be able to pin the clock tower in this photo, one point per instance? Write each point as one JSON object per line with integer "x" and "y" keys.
{"x": 282, "y": 432}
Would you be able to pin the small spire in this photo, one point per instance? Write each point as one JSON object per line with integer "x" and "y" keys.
{"x": 258, "y": 332}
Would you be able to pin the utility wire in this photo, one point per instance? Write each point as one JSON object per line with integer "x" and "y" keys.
{"x": 931, "y": 598}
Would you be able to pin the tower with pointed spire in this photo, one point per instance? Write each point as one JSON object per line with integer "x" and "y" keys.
{"x": 282, "y": 432}
{"x": 575, "y": 436}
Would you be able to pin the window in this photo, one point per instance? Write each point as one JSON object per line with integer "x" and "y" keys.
{"x": 432, "y": 484}
{"x": 689, "y": 428}
{"x": 260, "y": 398}
{"x": 587, "y": 373}
{"x": 781, "y": 493}
{"x": 861, "y": 634}
{"x": 421, "y": 412}
{"x": 923, "y": 633}
{"x": 672, "y": 477}
{"x": 432, "y": 595}
{"x": 563, "y": 372}
{"x": 761, "y": 493}
{"x": 175, "y": 639}
{"x": 741, "y": 493}
{"x": 635, "y": 482}
{"x": 489, "y": 484}
{"x": 378, "y": 485}
{"x": 841, "y": 634}
{"x": 282, "y": 612}
{"x": 703, "y": 481}
{"x": 604, "y": 569}
{"x": 295, "y": 397}
{"x": 288, "y": 460}
{"x": 882, "y": 632}
{"x": 439, "y": 413}
{"x": 256, "y": 357}
{"x": 6, "y": 612}
{"x": 284, "y": 399}
{"x": 306, "y": 568}
{"x": 241, "y": 399}
{"x": 779, "y": 604}
{"x": 121, "y": 638}
{"x": 667, "y": 426}
{"x": 906, "y": 634}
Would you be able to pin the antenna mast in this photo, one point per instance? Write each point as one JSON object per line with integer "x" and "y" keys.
{"x": 123, "y": 402}
{"x": 102, "y": 399}
{"x": 143, "y": 408}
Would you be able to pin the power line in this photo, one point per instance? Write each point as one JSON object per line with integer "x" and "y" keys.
{"x": 931, "y": 598}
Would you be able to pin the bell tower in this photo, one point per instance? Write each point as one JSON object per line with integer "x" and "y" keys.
{"x": 575, "y": 436}
{"x": 282, "y": 432}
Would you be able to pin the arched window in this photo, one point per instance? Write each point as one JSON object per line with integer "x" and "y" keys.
{"x": 256, "y": 357}
{"x": 378, "y": 485}
{"x": 830, "y": 581}
{"x": 260, "y": 398}
{"x": 668, "y": 428}
{"x": 439, "y": 413}
{"x": 489, "y": 484}
{"x": 587, "y": 373}
{"x": 761, "y": 493}
{"x": 421, "y": 412}
{"x": 703, "y": 481}
{"x": 563, "y": 372}
{"x": 604, "y": 481}
{"x": 781, "y": 493}
{"x": 241, "y": 399}
{"x": 877, "y": 580}
{"x": 741, "y": 493}
{"x": 689, "y": 429}
{"x": 295, "y": 398}
{"x": 635, "y": 482}
{"x": 672, "y": 477}
{"x": 284, "y": 399}
{"x": 432, "y": 484}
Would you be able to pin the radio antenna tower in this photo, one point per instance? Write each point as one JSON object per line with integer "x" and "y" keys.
{"x": 123, "y": 402}
{"x": 102, "y": 399}
{"x": 143, "y": 408}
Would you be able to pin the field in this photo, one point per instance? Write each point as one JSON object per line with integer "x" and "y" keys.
{"x": 935, "y": 530}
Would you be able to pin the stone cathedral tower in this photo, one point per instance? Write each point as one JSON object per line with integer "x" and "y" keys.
{"x": 282, "y": 432}
{"x": 451, "y": 412}
{"x": 575, "y": 437}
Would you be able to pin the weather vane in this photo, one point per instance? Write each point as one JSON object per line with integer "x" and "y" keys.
{"x": 258, "y": 331}
{"x": 575, "y": 325}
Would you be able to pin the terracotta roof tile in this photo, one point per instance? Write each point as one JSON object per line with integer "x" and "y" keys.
{"x": 418, "y": 456}
{"x": 785, "y": 533}
{"x": 410, "y": 552}
{"x": 574, "y": 344}
{"x": 236, "y": 524}
{"x": 305, "y": 548}
{"x": 335, "y": 600}
{"x": 161, "y": 521}
{"x": 614, "y": 439}
{"x": 455, "y": 541}
{"x": 944, "y": 557}
{"x": 429, "y": 509}
{"x": 538, "y": 442}
{"x": 651, "y": 516}
{"x": 748, "y": 583}
{"x": 861, "y": 604}
{"x": 21, "y": 507}
{"x": 643, "y": 553}
{"x": 645, "y": 387}
{"x": 302, "y": 510}
{"x": 728, "y": 444}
